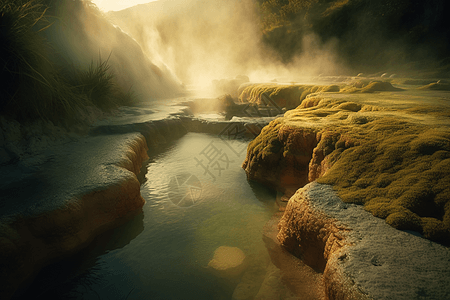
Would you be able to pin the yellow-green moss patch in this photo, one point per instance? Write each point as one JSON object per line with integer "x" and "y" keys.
{"x": 401, "y": 172}
{"x": 288, "y": 96}
{"x": 396, "y": 165}
{"x": 436, "y": 86}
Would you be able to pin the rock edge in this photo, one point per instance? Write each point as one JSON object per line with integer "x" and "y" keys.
{"x": 362, "y": 257}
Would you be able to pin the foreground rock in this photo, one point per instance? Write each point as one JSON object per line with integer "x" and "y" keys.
{"x": 388, "y": 152}
{"x": 361, "y": 256}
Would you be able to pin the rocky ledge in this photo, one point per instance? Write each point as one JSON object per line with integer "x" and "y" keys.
{"x": 55, "y": 203}
{"x": 90, "y": 187}
{"x": 386, "y": 153}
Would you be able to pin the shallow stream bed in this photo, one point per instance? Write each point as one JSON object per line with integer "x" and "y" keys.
{"x": 197, "y": 199}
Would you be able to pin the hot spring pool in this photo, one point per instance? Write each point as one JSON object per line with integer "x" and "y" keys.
{"x": 198, "y": 199}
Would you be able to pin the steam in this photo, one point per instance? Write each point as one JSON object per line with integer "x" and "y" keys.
{"x": 206, "y": 40}
{"x": 317, "y": 58}
{"x": 82, "y": 36}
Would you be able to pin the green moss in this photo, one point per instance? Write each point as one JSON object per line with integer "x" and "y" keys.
{"x": 404, "y": 220}
{"x": 266, "y": 144}
{"x": 398, "y": 173}
{"x": 436, "y": 86}
{"x": 379, "y": 157}
{"x": 436, "y": 110}
{"x": 378, "y": 86}
{"x": 350, "y": 106}
{"x": 435, "y": 230}
{"x": 369, "y": 86}
{"x": 288, "y": 96}
{"x": 431, "y": 141}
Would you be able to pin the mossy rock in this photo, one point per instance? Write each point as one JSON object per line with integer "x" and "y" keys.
{"x": 435, "y": 230}
{"x": 436, "y": 86}
{"x": 379, "y": 86}
{"x": 351, "y": 106}
{"x": 398, "y": 169}
{"x": 283, "y": 96}
{"x": 404, "y": 220}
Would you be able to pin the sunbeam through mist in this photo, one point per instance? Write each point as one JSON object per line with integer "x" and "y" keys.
{"x": 205, "y": 40}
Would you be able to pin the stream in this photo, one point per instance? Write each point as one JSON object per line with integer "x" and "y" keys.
{"x": 197, "y": 199}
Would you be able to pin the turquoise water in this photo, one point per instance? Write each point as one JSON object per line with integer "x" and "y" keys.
{"x": 197, "y": 199}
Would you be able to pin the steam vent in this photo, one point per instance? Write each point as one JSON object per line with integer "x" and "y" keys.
{"x": 356, "y": 164}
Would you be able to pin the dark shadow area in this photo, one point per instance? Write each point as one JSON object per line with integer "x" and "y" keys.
{"x": 62, "y": 278}
{"x": 262, "y": 192}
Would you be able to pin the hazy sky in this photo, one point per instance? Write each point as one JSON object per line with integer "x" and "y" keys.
{"x": 107, "y": 5}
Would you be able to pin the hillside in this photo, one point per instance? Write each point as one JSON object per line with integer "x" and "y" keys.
{"x": 312, "y": 37}
{"x": 59, "y": 57}
{"x": 367, "y": 35}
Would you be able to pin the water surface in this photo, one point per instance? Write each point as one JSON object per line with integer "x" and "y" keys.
{"x": 197, "y": 199}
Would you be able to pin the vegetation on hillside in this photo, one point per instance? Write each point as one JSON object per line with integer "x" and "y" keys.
{"x": 33, "y": 86}
{"x": 369, "y": 34}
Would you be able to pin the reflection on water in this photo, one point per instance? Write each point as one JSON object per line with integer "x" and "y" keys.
{"x": 198, "y": 199}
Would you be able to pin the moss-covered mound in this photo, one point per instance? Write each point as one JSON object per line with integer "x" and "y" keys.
{"x": 437, "y": 86}
{"x": 369, "y": 86}
{"x": 394, "y": 162}
{"x": 400, "y": 172}
{"x": 288, "y": 96}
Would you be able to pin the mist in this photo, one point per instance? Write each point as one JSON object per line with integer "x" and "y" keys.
{"x": 201, "y": 41}
{"x": 157, "y": 48}
{"x": 82, "y": 37}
